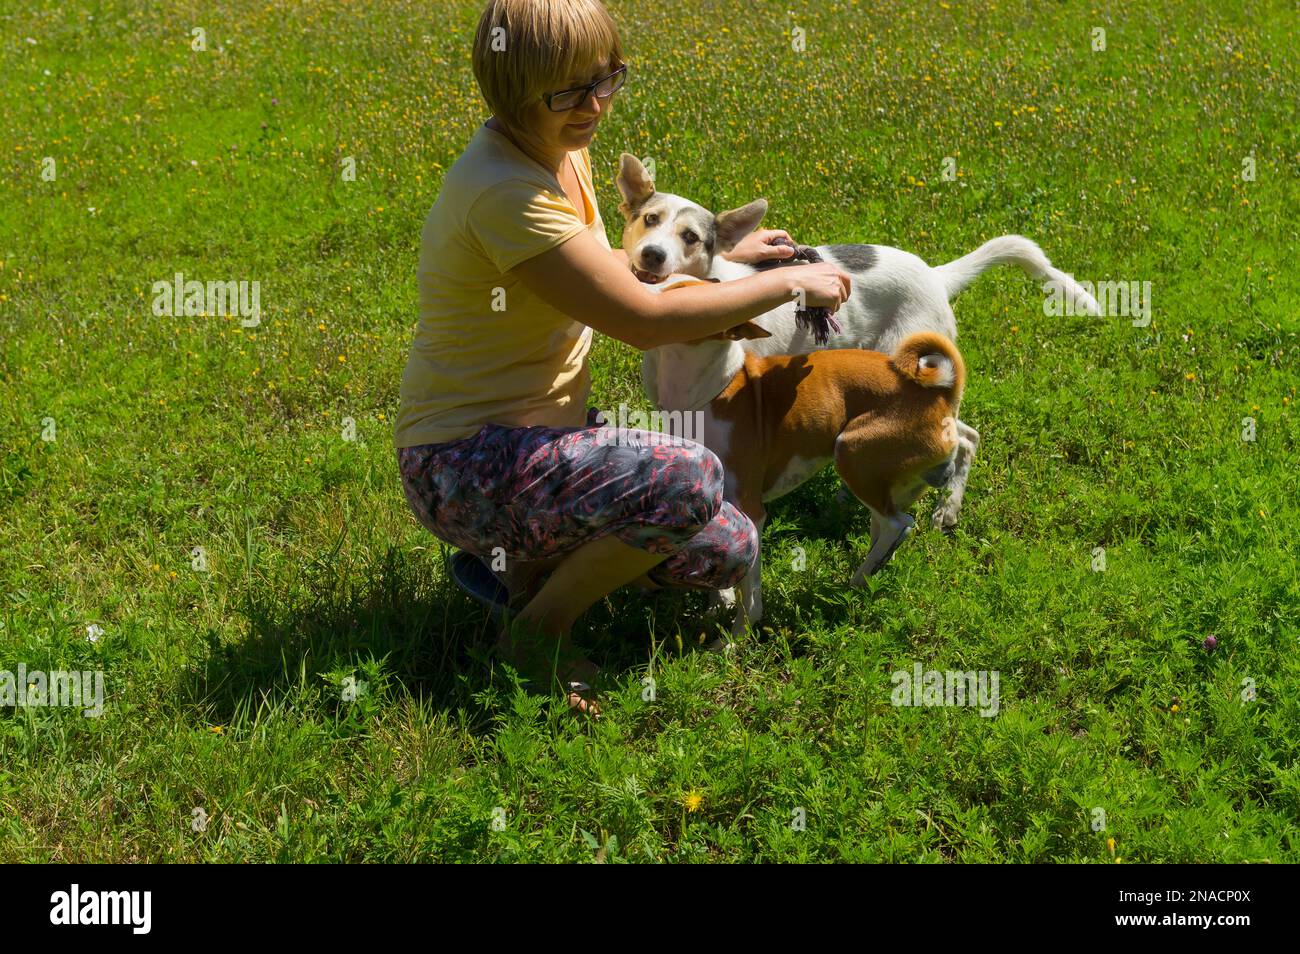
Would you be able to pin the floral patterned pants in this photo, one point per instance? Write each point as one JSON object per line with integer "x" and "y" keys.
{"x": 538, "y": 492}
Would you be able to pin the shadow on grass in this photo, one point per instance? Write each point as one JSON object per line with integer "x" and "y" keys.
{"x": 404, "y": 619}
{"x": 407, "y": 625}
{"x": 407, "y": 621}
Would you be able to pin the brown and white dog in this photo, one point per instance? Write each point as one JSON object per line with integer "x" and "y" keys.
{"x": 887, "y": 422}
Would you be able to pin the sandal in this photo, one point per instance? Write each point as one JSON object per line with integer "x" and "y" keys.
{"x": 480, "y": 584}
{"x": 487, "y": 588}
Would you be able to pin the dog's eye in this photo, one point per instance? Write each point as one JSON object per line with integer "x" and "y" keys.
{"x": 689, "y": 237}
{"x": 651, "y": 219}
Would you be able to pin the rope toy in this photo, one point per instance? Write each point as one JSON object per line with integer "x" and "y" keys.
{"x": 819, "y": 319}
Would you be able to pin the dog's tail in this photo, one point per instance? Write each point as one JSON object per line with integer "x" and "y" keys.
{"x": 958, "y": 274}
{"x": 932, "y": 361}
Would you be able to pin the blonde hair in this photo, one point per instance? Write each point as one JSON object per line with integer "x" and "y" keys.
{"x": 524, "y": 48}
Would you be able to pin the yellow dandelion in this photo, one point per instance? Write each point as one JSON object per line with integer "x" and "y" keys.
{"x": 692, "y": 801}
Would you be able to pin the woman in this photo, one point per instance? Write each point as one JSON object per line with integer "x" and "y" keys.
{"x": 494, "y": 444}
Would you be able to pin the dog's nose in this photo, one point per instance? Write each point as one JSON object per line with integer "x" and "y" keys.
{"x": 652, "y": 256}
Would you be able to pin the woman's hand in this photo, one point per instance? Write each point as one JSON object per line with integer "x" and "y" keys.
{"x": 757, "y": 247}
{"x": 823, "y": 285}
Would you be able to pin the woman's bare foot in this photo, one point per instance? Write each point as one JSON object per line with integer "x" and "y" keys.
{"x": 535, "y": 659}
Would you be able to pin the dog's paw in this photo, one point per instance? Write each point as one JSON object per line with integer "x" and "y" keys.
{"x": 721, "y": 646}
{"x": 945, "y": 516}
{"x": 722, "y": 600}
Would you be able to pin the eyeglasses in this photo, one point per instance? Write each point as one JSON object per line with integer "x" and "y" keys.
{"x": 604, "y": 88}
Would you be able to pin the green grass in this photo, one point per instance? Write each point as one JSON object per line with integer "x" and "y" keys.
{"x": 223, "y": 687}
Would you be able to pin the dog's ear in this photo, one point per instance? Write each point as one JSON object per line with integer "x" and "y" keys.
{"x": 735, "y": 224}
{"x": 634, "y": 183}
{"x": 746, "y": 332}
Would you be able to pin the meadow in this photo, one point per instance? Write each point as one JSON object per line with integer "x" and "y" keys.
{"x": 208, "y": 512}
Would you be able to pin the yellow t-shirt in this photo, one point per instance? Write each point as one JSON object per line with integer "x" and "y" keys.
{"x": 520, "y": 362}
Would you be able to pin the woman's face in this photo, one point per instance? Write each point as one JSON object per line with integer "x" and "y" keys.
{"x": 573, "y": 129}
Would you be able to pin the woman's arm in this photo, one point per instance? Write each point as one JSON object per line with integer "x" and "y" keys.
{"x": 584, "y": 281}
